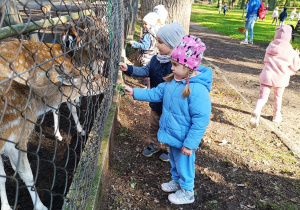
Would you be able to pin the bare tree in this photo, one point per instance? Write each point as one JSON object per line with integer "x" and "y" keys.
{"x": 272, "y": 4}
{"x": 179, "y": 10}
{"x": 287, "y": 3}
{"x": 243, "y": 3}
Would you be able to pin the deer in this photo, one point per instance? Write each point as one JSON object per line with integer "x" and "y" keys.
{"x": 89, "y": 42}
{"x": 21, "y": 105}
{"x": 31, "y": 63}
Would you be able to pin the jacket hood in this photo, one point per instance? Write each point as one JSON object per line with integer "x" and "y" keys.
{"x": 204, "y": 78}
{"x": 283, "y": 35}
{"x": 284, "y": 9}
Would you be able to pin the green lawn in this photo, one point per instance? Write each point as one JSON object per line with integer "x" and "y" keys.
{"x": 208, "y": 16}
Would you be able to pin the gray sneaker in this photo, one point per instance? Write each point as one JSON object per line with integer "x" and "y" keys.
{"x": 182, "y": 197}
{"x": 164, "y": 156}
{"x": 250, "y": 42}
{"x": 150, "y": 150}
{"x": 170, "y": 186}
{"x": 244, "y": 42}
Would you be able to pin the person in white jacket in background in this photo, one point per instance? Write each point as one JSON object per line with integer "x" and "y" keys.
{"x": 275, "y": 16}
{"x": 292, "y": 15}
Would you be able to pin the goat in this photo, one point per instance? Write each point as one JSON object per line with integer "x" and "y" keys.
{"x": 47, "y": 10}
{"x": 31, "y": 63}
{"x": 21, "y": 105}
{"x": 92, "y": 40}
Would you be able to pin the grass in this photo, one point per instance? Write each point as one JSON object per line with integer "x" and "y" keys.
{"x": 208, "y": 16}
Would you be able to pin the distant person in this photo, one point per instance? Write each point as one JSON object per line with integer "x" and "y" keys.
{"x": 267, "y": 6}
{"x": 147, "y": 45}
{"x": 225, "y": 9}
{"x": 281, "y": 61}
{"x": 275, "y": 16}
{"x": 282, "y": 16}
{"x": 162, "y": 13}
{"x": 186, "y": 114}
{"x": 168, "y": 37}
{"x": 250, "y": 19}
{"x": 298, "y": 16}
{"x": 292, "y": 15}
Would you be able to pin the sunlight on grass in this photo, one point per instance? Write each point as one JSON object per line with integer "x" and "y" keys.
{"x": 208, "y": 16}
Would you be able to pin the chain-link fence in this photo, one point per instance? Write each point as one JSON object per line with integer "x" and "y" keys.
{"x": 58, "y": 62}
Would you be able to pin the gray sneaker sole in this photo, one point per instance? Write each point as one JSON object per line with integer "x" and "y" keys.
{"x": 164, "y": 160}
{"x": 150, "y": 154}
{"x": 180, "y": 203}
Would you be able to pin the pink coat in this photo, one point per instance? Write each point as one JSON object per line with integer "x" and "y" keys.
{"x": 281, "y": 60}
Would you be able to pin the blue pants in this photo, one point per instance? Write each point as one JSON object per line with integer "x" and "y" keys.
{"x": 250, "y": 25}
{"x": 183, "y": 168}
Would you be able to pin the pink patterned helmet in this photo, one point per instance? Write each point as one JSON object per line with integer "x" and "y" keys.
{"x": 189, "y": 52}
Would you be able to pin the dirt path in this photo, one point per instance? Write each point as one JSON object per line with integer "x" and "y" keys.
{"x": 236, "y": 167}
{"x": 241, "y": 65}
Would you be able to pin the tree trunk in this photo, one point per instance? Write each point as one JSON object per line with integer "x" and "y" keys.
{"x": 272, "y": 4}
{"x": 232, "y": 4}
{"x": 11, "y": 13}
{"x": 243, "y": 4}
{"x": 179, "y": 10}
{"x": 12, "y": 17}
{"x": 287, "y": 3}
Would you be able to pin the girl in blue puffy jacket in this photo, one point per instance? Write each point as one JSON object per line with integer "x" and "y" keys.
{"x": 185, "y": 116}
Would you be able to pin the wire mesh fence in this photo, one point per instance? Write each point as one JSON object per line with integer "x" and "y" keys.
{"x": 58, "y": 62}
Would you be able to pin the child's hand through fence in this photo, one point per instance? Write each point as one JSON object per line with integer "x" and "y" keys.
{"x": 123, "y": 66}
{"x": 128, "y": 90}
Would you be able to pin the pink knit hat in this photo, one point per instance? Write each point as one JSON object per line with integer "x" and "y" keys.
{"x": 189, "y": 52}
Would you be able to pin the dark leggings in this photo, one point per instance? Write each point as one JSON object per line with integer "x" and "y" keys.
{"x": 275, "y": 18}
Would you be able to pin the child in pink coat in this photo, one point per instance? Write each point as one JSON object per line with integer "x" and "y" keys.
{"x": 281, "y": 62}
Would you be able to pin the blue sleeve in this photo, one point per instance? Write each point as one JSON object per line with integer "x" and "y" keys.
{"x": 253, "y": 7}
{"x": 138, "y": 71}
{"x": 200, "y": 110}
{"x": 144, "y": 45}
{"x": 152, "y": 95}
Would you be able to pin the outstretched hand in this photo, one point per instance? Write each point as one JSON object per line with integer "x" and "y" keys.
{"x": 123, "y": 66}
{"x": 186, "y": 151}
{"x": 128, "y": 90}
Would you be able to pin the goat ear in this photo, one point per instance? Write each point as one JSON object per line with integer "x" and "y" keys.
{"x": 59, "y": 69}
{"x": 74, "y": 31}
{"x": 64, "y": 79}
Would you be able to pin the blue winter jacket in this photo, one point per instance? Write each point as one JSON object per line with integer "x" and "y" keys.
{"x": 253, "y": 7}
{"x": 156, "y": 71}
{"x": 184, "y": 120}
